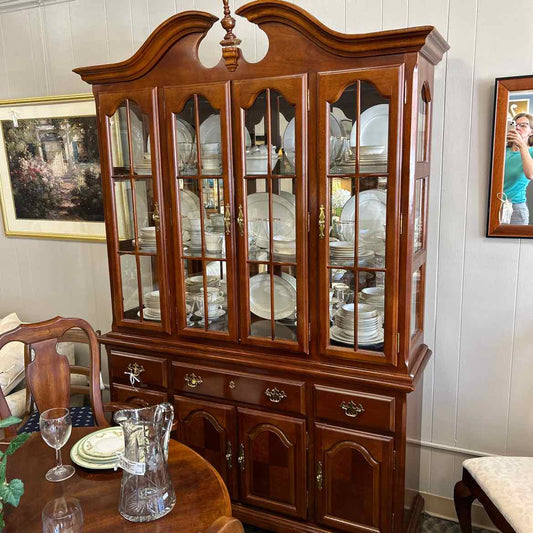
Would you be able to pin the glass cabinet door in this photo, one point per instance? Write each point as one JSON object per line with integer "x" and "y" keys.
{"x": 270, "y": 130}
{"x": 358, "y": 177}
{"x": 132, "y": 188}
{"x": 197, "y": 124}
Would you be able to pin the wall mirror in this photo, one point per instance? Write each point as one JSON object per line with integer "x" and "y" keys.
{"x": 511, "y": 192}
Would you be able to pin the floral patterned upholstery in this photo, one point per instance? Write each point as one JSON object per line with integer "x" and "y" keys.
{"x": 508, "y": 482}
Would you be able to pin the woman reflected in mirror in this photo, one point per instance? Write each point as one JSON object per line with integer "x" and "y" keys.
{"x": 519, "y": 166}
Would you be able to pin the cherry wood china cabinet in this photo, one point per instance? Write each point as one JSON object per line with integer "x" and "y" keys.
{"x": 266, "y": 228}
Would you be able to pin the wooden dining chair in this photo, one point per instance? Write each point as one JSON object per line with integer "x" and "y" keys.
{"x": 48, "y": 373}
{"x": 504, "y": 486}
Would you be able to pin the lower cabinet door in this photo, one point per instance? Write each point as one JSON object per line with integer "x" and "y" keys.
{"x": 272, "y": 462}
{"x": 353, "y": 479}
{"x": 209, "y": 429}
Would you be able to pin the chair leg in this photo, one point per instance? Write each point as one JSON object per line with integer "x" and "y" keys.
{"x": 463, "y": 499}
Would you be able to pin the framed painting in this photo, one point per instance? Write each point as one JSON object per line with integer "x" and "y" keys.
{"x": 50, "y": 179}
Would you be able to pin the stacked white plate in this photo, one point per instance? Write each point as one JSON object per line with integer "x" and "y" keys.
{"x": 284, "y": 246}
{"x": 342, "y": 250}
{"x": 144, "y": 166}
{"x": 147, "y": 239}
{"x": 194, "y": 284}
{"x": 369, "y": 330}
{"x": 98, "y": 450}
{"x": 374, "y": 296}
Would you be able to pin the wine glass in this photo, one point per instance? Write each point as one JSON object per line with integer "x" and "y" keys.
{"x": 56, "y": 426}
{"x": 62, "y": 515}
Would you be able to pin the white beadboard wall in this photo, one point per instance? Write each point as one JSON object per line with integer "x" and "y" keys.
{"x": 477, "y": 387}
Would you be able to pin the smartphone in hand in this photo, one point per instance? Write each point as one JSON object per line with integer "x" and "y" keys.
{"x": 511, "y": 125}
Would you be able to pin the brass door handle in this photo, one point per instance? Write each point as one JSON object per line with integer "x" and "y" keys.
{"x": 322, "y": 222}
{"x": 240, "y": 459}
{"x": 319, "y": 476}
{"x": 193, "y": 380}
{"x": 352, "y": 409}
{"x": 229, "y": 454}
{"x": 240, "y": 221}
{"x": 227, "y": 219}
{"x": 155, "y": 216}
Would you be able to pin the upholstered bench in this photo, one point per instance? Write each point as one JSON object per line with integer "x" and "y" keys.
{"x": 504, "y": 486}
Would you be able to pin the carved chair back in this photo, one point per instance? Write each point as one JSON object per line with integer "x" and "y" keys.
{"x": 48, "y": 373}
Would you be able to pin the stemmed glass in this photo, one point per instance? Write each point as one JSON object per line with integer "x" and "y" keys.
{"x": 62, "y": 515}
{"x": 56, "y": 426}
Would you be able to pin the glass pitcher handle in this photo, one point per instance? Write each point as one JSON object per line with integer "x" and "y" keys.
{"x": 168, "y": 417}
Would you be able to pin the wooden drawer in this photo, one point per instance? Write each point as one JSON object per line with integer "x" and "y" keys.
{"x": 361, "y": 409}
{"x": 281, "y": 394}
{"x": 151, "y": 370}
{"x": 122, "y": 393}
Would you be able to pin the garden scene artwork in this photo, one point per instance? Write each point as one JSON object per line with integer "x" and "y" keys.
{"x": 50, "y": 178}
{"x": 54, "y": 168}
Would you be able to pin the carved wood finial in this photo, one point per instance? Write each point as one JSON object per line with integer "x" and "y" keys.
{"x": 230, "y": 44}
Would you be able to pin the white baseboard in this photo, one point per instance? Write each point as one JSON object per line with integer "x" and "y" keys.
{"x": 442, "y": 507}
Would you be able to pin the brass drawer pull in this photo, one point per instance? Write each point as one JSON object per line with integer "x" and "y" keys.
{"x": 229, "y": 454}
{"x": 231, "y": 384}
{"x": 240, "y": 459}
{"x": 193, "y": 380}
{"x": 319, "y": 475}
{"x": 275, "y": 395}
{"x": 352, "y": 409}
{"x": 134, "y": 371}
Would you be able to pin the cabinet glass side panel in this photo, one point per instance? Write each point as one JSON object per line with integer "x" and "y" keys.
{"x": 270, "y": 129}
{"x": 416, "y": 301}
{"x": 136, "y": 210}
{"x": 357, "y": 146}
{"x": 124, "y": 215}
{"x": 419, "y": 212}
{"x": 422, "y": 129}
{"x": 130, "y": 286}
{"x": 119, "y": 140}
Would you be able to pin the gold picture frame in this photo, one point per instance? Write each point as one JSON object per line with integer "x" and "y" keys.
{"x": 50, "y": 184}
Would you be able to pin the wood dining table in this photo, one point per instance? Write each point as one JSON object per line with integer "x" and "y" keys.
{"x": 202, "y": 500}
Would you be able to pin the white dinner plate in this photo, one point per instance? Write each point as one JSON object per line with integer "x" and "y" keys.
{"x": 284, "y": 296}
{"x": 210, "y": 131}
{"x": 335, "y": 132}
{"x": 283, "y": 215}
{"x": 189, "y": 207}
{"x": 372, "y": 213}
{"x": 374, "y": 127}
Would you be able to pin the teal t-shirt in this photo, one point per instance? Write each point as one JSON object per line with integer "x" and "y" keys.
{"x": 515, "y": 181}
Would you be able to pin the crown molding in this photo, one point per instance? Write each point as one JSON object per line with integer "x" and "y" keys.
{"x": 8, "y": 6}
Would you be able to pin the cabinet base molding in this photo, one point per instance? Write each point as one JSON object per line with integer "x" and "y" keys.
{"x": 276, "y": 524}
